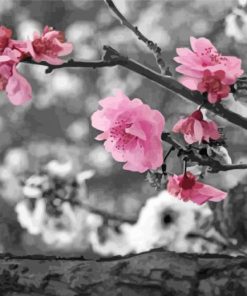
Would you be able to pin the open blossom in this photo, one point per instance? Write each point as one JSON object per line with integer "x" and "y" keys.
{"x": 206, "y": 70}
{"x": 49, "y": 46}
{"x": 16, "y": 86}
{"x": 196, "y": 129}
{"x": 132, "y": 132}
{"x": 187, "y": 188}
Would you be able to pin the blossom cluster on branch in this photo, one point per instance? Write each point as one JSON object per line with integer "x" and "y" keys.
{"x": 48, "y": 46}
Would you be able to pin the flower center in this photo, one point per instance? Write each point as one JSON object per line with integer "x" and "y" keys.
{"x": 119, "y": 134}
{"x": 197, "y": 115}
{"x": 45, "y": 46}
{"x": 188, "y": 181}
{"x": 214, "y": 58}
{"x": 212, "y": 84}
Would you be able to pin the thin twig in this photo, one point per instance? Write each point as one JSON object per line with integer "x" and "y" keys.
{"x": 194, "y": 156}
{"x": 73, "y": 64}
{"x": 168, "y": 153}
{"x": 150, "y": 44}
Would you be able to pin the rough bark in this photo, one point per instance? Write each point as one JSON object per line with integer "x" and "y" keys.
{"x": 153, "y": 273}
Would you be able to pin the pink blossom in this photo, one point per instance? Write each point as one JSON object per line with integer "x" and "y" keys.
{"x": 204, "y": 56}
{"x": 212, "y": 84}
{"x": 16, "y": 86}
{"x": 49, "y": 46}
{"x": 132, "y": 132}
{"x": 196, "y": 129}
{"x": 186, "y": 187}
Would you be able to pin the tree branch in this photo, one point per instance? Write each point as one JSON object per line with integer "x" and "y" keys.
{"x": 194, "y": 156}
{"x": 150, "y": 44}
{"x": 113, "y": 58}
{"x": 157, "y": 272}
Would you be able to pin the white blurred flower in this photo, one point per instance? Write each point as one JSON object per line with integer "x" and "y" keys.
{"x": 30, "y": 218}
{"x": 32, "y": 192}
{"x": 61, "y": 170}
{"x": 35, "y": 185}
{"x": 17, "y": 160}
{"x": 115, "y": 243}
{"x": 163, "y": 221}
{"x": 66, "y": 229}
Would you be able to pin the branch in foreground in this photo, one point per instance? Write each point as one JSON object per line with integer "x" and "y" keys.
{"x": 157, "y": 272}
{"x": 194, "y": 156}
{"x": 113, "y": 58}
{"x": 150, "y": 44}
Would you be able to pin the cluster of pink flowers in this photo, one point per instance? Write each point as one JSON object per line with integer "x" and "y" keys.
{"x": 47, "y": 47}
{"x": 206, "y": 70}
{"x": 132, "y": 130}
{"x": 132, "y": 134}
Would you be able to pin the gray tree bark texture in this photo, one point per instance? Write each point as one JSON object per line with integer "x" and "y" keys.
{"x": 154, "y": 273}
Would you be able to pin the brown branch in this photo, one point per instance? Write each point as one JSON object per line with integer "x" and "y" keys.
{"x": 194, "y": 156}
{"x": 113, "y": 58}
{"x": 150, "y": 44}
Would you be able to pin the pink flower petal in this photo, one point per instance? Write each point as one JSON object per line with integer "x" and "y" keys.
{"x": 18, "y": 89}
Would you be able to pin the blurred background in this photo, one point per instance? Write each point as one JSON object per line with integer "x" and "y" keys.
{"x": 50, "y": 138}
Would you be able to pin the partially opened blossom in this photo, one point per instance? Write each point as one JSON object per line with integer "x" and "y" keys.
{"x": 195, "y": 129}
{"x": 132, "y": 132}
{"x": 206, "y": 70}
{"x": 49, "y": 46}
{"x": 186, "y": 187}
